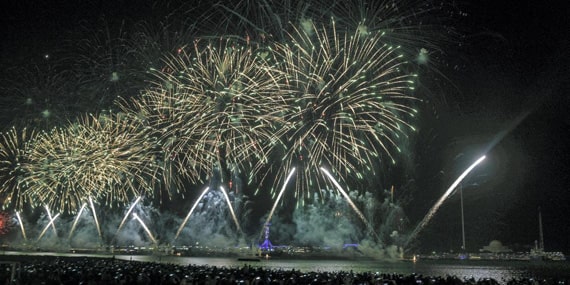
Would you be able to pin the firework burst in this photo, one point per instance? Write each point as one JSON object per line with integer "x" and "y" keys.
{"x": 153, "y": 111}
{"x": 103, "y": 63}
{"x": 264, "y": 20}
{"x": 6, "y": 223}
{"x": 38, "y": 94}
{"x": 220, "y": 105}
{"x": 411, "y": 24}
{"x": 13, "y": 147}
{"x": 169, "y": 33}
{"x": 349, "y": 106}
{"x": 104, "y": 157}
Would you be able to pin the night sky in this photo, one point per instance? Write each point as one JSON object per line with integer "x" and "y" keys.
{"x": 504, "y": 94}
{"x": 513, "y": 86}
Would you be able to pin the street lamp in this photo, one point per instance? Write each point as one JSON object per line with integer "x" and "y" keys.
{"x": 462, "y": 217}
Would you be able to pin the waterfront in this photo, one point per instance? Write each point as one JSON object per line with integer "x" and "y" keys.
{"x": 501, "y": 271}
{"x": 498, "y": 270}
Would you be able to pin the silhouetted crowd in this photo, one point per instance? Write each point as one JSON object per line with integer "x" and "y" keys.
{"x": 94, "y": 271}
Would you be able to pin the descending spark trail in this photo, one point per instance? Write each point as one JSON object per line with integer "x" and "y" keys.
{"x": 190, "y": 212}
{"x": 231, "y": 208}
{"x": 276, "y": 202}
{"x": 350, "y": 202}
{"x": 47, "y": 227}
{"x": 436, "y": 206}
{"x": 49, "y": 215}
{"x": 95, "y": 217}
{"x": 21, "y": 225}
{"x": 145, "y": 227}
{"x": 76, "y": 219}
{"x": 127, "y": 215}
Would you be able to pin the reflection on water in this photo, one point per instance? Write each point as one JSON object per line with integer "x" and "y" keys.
{"x": 462, "y": 269}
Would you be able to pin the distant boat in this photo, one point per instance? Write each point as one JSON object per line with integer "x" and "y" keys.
{"x": 250, "y": 259}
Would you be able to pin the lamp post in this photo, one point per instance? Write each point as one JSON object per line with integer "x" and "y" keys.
{"x": 462, "y": 218}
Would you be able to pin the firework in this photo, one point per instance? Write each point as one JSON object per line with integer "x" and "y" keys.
{"x": 21, "y": 225}
{"x": 413, "y": 24}
{"x": 102, "y": 64}
{"x": 13, "y": 147}
{"x": 94, "y": 213}
{"x": 6, "y": 223}
{"x": 220, "y": 106}
{"x": 270, "y": 215}
{"x": 439, "y": 202}
{"x": 101, "y": 157}
{"x": 77, "y": 216}
{"x": 38, "y": 94}
{"x": 50, "y": 223}
{"x": 153, "y": 111}
{"x": 150, "y": 41}
{"x": 350, "y": 103}
{"x": 263, "y": 20}
{"x": 142, "y": 223}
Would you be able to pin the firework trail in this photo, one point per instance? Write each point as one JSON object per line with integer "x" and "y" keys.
{"x": 351, "y": 203}
{"x": 349, "y": 105}
{"x": 14, "y": 145}
{"x": 94, "y": 213}
{"x": 190, "y": 212}
{"x": 126, "y": 216}
{"x": 77, "y": 216}
{"x": 231, "y": 208}
{"x": 439, "y": 202}
{"x": 276, "y": 203}
{"x": 50, "y": 223}
{"x": 21, "y": 226}
{"x": 142, "y": 223}
{"x": 105, "y": 158}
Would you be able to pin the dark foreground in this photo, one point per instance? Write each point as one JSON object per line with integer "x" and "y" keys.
{"x": 83, "y": 270}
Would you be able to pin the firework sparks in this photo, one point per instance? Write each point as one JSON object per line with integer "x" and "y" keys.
{"x": 40, "y": 93}
{"x": 50, "y": 223}
{"x": 142, "y": 223}
{"x": 220, "y": 106}
{"x": 13, "y": 147}
{"x": 339, "y": 98}
{"x": 439, "y": 202}
{"x": 6, "y": 223}
{"x": 190, "y": 213}
{"x": 104, "y": 158}
{"x": 102, "y": 64}
{"x": 77, "y": 216}
{"x": 349, "y": 105}
{"x": 21, "y": 225}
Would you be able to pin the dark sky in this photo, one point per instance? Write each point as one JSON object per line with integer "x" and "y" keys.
{"x": 509, "y": 96}
{"x": 512, "y": 85}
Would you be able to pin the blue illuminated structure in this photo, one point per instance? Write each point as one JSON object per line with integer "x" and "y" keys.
{"x": 266, "y": 245}
{"x": 347, "y": 245}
